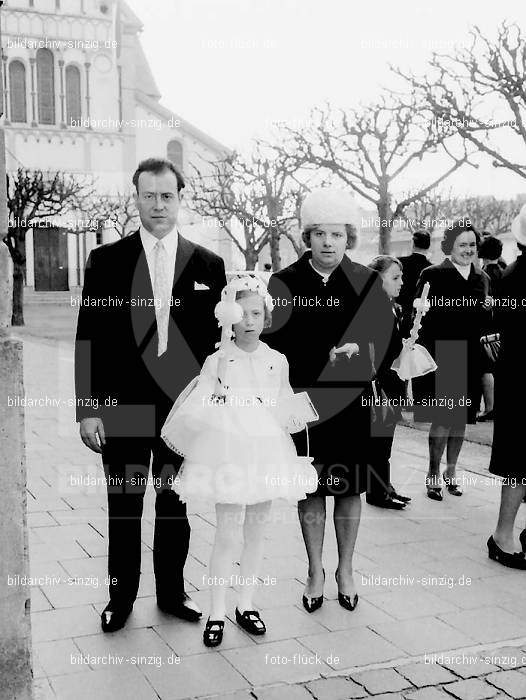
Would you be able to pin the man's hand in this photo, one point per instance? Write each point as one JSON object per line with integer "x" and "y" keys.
{"x": 90, "y": 429}
{"x": 349, "y": 349}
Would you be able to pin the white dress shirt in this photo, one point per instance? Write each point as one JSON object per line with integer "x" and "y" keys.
{"x": 170, "y": 245}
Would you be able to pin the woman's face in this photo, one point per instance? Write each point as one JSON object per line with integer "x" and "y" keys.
{"x": 464, "y": 248}
{"x": 328, "y": 243}
{"x": 392, "y": 280}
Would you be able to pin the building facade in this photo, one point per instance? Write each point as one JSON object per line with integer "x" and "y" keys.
{"x": 80, "y": 97}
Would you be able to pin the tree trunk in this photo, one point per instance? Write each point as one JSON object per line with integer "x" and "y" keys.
{"x": 251, "y": 259}
{"x": 384, "y": 231}
{"x": 275, "y": 253}
{"x": 17, "y": 318}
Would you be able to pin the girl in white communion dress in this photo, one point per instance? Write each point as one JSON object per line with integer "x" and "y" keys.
{"x": 236, "y": 445}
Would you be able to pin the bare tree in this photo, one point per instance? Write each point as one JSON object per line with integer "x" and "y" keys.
{"x": 442, "y": 208}
{"x": 369, "y": 149}
{"x": 33, "y": 196}
{"x": 257, "y": 196}
{"x": 117, "y": 212}
{"x": 479, "y": 93}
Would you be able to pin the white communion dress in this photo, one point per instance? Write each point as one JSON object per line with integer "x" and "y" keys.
{"x": 237, "y": 451}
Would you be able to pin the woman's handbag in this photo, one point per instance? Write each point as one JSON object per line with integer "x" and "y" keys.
{"x": 491, "y": 345}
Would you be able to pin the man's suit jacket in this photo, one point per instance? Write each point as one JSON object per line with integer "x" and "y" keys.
{"x": 412, "y": 266}
{"x": 116, "y": 363}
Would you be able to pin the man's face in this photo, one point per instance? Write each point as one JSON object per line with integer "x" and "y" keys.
{"x": 328, "y": 243}
{"x": 158, "y": 202}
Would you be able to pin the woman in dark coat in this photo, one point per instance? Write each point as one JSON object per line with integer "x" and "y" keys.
{"x": 451, "y": 331}
{"x": 507, "y": 460}
{"x": 328, "y": 309}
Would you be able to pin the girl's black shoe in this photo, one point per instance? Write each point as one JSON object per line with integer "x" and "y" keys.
{"x": 213, "y": 633}
{"x": 312, "y": 604}
{"x": 251, "y": 622}
{"x": 516, "y": 560}
{"x": 345, "y": 600}
{"x": 522, "y": 538}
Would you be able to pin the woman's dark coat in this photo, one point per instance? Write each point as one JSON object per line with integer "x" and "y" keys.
{"x": 310, "y": 318}
{"x": 510, "y": 375}
{"x": 451, "y": 331}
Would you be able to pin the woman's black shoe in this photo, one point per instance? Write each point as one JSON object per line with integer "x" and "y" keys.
{"x": 251, "y": 622}
{"x": 345, "y": 600}
{"x": 434, "y": 493}
{"x": 312, "y": 604}
{"x": 213, "y": 633}
{"x": 516, "y": 560}
{"x": 452, "y": 488}
{"x": 388, "y": 501}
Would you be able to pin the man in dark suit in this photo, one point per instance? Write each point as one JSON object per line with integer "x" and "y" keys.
{"x": 145, "y": 326}
{"x": 412, "y": 266}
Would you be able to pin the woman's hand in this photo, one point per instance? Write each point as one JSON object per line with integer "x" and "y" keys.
{"x": 349, "y": 349}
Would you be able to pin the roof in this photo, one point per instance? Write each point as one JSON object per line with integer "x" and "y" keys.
{"x": 128, "y": 16}
{"x": 143, "y": 73}
{"x": 190, "y": 129}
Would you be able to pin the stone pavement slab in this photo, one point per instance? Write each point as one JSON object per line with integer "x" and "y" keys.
{"x": 416, "y": 605}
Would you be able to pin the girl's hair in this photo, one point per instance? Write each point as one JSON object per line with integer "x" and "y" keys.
{"x": 383, "y": 262}
{"x": 454, "y": 231}
{"x": 350, "y": 230}
{"x": 250, "y": 293}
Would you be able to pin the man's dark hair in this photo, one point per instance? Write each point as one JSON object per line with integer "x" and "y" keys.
{"x": 422, "y": 240}
{"x": 157, "y": 166}
{"x": 490, "y": 248}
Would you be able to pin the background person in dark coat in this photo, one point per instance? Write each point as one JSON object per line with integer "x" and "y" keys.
{"x": 324, "y": 301}
{"x": 380, "y": 491}
{"x": 507, "y": 458}
{"x": 490, "y": 251}
{"x": 451, "y": 331}
{"x": 131, "y": 363}
{"x": 412, "y": 266}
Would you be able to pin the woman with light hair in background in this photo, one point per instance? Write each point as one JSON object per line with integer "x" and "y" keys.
{"x": 451, "y": 331}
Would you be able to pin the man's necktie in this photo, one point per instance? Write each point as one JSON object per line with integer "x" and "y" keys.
{"x": 162, "y": 293}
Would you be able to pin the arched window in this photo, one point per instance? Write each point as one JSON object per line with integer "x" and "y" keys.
{"x": 46, "y": 86}
{"x": 73, "y": 104}
{"x": 17, "y": 91}
{"x": 174, "y": 152}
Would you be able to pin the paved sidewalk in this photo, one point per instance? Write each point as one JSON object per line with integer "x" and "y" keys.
{"x": 426, "y": 587}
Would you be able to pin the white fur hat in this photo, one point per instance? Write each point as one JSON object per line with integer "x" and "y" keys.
{"x": 329, "y": 206}
{"x": 518, "y": 226}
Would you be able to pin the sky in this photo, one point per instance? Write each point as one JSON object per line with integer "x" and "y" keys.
{"x": 235, "y": 67}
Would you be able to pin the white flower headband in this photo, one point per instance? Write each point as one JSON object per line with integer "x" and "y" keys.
{"x": 228, "y": 311}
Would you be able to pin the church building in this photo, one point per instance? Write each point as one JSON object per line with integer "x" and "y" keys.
{"x": 80, "y": 98}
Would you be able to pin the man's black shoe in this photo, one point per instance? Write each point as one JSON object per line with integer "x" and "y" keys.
{"x": 113, "y": 620}
{"x": 184, "y": 608}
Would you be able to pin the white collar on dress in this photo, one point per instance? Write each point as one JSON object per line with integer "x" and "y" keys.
{"x": 464, "y": 270}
